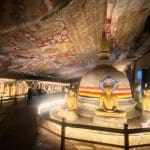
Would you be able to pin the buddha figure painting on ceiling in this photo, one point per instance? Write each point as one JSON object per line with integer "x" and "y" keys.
{"x": 108, "y": 102}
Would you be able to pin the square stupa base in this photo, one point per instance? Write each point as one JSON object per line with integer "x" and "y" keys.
{"x": 107, "y": 121}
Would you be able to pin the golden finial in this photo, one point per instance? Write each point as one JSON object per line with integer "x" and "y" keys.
{"x": 104, "y": 52}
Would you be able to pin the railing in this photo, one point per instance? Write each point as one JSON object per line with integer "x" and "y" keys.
{"x": 14, "y": 98}
{"x": 125, "y": 132}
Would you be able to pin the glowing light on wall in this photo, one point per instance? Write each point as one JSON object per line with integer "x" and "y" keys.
{"x": 139, "y": 74}
{"x": 46, "y": 106}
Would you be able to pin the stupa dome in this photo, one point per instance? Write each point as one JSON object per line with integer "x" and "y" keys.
{"x": 92, "y": 86}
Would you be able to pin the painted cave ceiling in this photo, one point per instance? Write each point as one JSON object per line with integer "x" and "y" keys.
{"x": 59, "y": 39}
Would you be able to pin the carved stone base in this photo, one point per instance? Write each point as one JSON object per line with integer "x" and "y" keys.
{"x": 112, "y": 122}
{"x": 116, "y": 114}
{"x": 69, "y": 115}
{"x": 145, "y": 115}
{"x": 87, "y": 107}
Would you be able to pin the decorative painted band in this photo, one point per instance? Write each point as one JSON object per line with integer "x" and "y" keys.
{"x": 99, "y": 88}
{"x": 122, "y": 96}
{"x": 102, "y": 92}
{"x": 120, "y": 92}
{"x": 86, "y": 98}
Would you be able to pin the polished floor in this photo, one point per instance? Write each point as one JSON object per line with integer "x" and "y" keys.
{"x": 19, "y": 129}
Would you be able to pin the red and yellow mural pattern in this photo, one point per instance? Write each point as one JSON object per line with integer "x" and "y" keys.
{"x": 120, "y": 92}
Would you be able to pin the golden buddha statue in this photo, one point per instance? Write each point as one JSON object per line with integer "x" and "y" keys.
{"x": 146, "y": 100}
{"x": 1, "y": 87}
{"x": 13, "y": 89}
{"x": 69, "y": 113}
{"x": 108, "y": 102}
{"x": 7, "y": 90}
{"x": 71, "y": 99}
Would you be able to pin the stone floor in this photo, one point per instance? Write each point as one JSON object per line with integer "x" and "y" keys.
{"x": 19, "y": 131}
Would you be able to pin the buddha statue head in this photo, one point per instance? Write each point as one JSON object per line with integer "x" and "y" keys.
{"x": 108, "y": 90}
{"x": 72, "y": 92}
{"x": 108, "y": 85}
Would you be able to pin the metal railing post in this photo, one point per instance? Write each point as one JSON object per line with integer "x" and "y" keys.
{"x": 62, "y": 144}
{"x": 126, "y": 137}
{"x": 1, "y": 100}
{"x": 15, "y": 99}
{"x": 25, "y": 97}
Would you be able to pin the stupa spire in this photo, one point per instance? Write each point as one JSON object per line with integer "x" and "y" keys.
{"x": 104, "y": 51}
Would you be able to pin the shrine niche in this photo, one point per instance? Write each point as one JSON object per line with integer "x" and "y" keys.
{"x": 22, "y": 88}
{"x": 46, "y": 87}
{"x": 13, "y": 89}
{"x": 7, "y": 90}
{"x": 7, "y": 87}
{"x": 1, "y": 87}
{"x": 51, "y": 87}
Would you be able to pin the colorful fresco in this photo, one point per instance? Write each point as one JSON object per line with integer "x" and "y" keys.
{"x": 37, "y": 36}
{"x": 40, "y": 49}
{"x": 44, "y": 37}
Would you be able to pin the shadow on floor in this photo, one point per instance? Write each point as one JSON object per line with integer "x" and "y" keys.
{"x": 18, "y": 127}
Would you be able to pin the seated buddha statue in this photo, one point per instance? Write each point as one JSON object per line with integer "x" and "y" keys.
{"x": 146, "y": 100}
{"x": 108, "y": 104}
{"x": 69, "y": 112}
{"x": 71, "y": 100}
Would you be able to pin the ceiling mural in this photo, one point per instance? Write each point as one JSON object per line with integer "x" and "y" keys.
{"x": 40, "y": 48}
{"x": 36, "y": 37}
{"x": 21, "y": 13}
{"x": 61, "y": 39}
